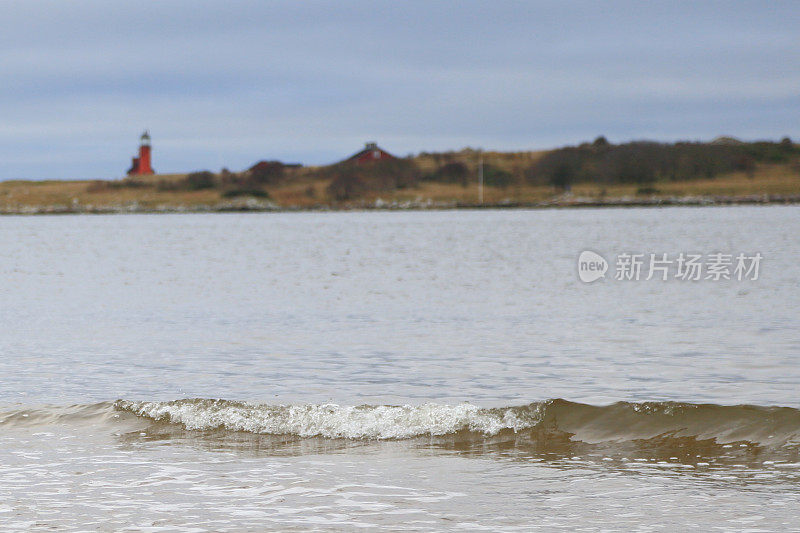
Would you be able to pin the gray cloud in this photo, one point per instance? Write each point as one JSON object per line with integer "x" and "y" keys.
{"x": 228, "y": 83}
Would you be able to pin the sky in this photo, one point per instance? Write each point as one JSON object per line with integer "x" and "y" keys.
{"x": 229, "y": 83}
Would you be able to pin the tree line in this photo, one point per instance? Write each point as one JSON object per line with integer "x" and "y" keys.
{"x": 646, "y": 162}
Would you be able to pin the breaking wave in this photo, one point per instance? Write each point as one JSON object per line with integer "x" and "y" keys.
{"x": 619, "y": 422}
{"x": 547, "y": 425}
{"x": 335, "y": 421}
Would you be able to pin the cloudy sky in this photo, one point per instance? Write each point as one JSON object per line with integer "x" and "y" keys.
{"x": 226, "y": 83}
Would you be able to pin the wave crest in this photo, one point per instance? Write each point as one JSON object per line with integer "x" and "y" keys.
{"x": 547, "y": 424}
{"x": 619, "y": 422}
{"x": 335, "y": 421}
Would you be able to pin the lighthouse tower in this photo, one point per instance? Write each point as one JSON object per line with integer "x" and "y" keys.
{"x": 141, "y": 165}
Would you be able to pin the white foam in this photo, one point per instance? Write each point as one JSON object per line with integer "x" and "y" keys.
{"x": 336, "y": 421}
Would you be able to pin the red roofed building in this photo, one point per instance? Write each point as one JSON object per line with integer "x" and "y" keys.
{"x": 141, "y": 165}
{"x": 371, "y": 152}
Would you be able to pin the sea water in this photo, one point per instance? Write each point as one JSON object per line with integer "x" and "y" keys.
{"x": 440, "y": 370}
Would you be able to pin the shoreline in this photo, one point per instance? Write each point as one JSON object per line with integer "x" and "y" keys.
{"x": 257, "y": 206}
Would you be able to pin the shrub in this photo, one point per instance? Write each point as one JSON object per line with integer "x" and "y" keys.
{"x": 267, "y": 172}
{"x": 644, "y": 162}
{"x": 233, "y": 193}
{"x": 350, "y": 180}
{"x": 600, "y": 143}
{"x": 633, "y": 163}
{"x": 496, "y": 177}
{"x": 454, "y": 172}
{"x": 389, "y": 174}
{"x": 559, "y": 168}
{"x": 199, "y": 180}
{"x": 745, "y": 163}
{"x": 770, "y": 152}
{"x": 346, "y": 187}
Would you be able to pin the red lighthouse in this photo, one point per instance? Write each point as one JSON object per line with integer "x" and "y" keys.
{"x": 141, "y": 164}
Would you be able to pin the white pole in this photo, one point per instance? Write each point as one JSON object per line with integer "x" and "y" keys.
{"x": 480, "y": 177}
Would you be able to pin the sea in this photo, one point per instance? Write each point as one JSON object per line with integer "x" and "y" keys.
{"x": 401, "y": 370}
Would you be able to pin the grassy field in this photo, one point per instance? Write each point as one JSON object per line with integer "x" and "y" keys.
{"x": 768, "y": 180}
{"x": 19, "y": 195}
{"x": 301, "y": 189}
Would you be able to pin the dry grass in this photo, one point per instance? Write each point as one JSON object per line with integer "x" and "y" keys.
{"x": 768, "y": 179}
{"x": 514, "y": 162}
{"x": 154, "y": 179}
{"x": 301, "y": 189}
{"x": 15, "y": 195}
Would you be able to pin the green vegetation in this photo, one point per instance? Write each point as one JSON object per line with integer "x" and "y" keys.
{"x": 234, "y": 193}
{"x": 494, "y": 176}
{"x": 452, "y": 172}
{"x": 644, "y": 162}
{"x": 197, "y": 181}
{"x": 350, "y": 180}
{"x": 598, "y": 172}
{"x": 194, "y": 181}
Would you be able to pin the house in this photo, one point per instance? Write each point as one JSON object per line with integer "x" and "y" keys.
{"x": 371, "y": 153}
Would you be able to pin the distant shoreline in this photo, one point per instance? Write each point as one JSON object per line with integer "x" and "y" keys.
{"x": 598, "y": 174}
{"x": 265, "y": 207}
